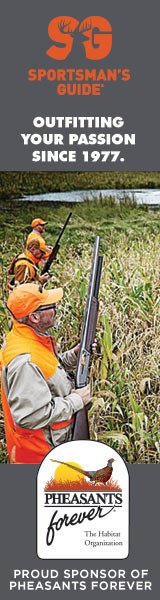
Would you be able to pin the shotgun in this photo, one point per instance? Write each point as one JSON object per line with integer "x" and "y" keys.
{"x": 55, "y": 248}
{"x": 81, "y": 426}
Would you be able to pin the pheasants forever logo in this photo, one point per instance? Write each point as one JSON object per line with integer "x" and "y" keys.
{"x": 82, "y": 503}
{"x": 94, "y": 33}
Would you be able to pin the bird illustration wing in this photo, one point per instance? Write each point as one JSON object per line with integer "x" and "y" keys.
{"x": 104, "y": 473}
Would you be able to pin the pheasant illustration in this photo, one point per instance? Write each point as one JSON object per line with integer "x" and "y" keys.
{"x": 102, "y": 475}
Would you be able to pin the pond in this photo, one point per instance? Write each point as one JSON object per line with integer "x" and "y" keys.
{"x": 147, "y": 197}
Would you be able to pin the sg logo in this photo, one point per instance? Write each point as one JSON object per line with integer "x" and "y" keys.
{"x": 95, "y": 33}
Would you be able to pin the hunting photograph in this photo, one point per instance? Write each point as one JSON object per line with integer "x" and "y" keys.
{"x": 79, "y": 313}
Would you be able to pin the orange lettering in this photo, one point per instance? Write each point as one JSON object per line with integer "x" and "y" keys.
{"x": 99, "y": 37}
{"x": 60, "y": 30}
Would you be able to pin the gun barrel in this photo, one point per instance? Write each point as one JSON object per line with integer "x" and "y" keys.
{"x": 91, "y": 288}
{"x": 63, "y": 228}
{"x": 81, "y": 425}
{"x": 55, "y": 248}
{"x": 90, "y": 319}
{"x": 97, "y": 282}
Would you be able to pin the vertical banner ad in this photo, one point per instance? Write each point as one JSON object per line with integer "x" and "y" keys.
{"x": 80, "y": 157}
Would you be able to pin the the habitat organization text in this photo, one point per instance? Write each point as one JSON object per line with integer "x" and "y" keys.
{"x": 76, "y": 579}
{"x": 76, "y": 136}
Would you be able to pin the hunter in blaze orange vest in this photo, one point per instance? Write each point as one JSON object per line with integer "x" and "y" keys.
{"x": 38, "y": 228}
{"x": 24, "y": 267}
{"x": 38, "y": 399}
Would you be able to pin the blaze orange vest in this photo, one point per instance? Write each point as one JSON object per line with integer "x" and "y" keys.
{"x": 28, "y": 445}
{"x": 27, "y": 259}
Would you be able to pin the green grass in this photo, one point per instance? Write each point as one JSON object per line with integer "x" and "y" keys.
{"x": 124, "y": 373}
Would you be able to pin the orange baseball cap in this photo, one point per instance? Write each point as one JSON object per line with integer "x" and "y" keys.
{"x": 27, "y": 298}
{"x": 36, "y": 222}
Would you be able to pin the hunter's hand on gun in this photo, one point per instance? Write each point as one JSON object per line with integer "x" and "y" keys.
{"x": 93, "y": 347}
{"x": 44, "y": 278}
{"x": 84, "y": 393}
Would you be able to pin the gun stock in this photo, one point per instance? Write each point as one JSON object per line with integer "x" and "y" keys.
{"x": 81, "y": 425}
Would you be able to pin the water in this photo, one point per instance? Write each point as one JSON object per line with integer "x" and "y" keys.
{"x": 147, "y": 197}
